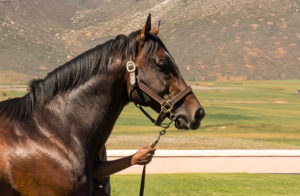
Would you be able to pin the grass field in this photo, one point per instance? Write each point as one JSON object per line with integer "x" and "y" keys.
{"x": 239, "y": 115}
{"x": 208, "y": 185}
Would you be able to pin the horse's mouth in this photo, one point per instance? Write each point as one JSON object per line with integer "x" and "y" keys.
{"x": 182, "y": 123}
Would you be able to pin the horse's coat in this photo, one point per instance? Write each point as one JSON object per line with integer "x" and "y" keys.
{"x": 50, "y": 138}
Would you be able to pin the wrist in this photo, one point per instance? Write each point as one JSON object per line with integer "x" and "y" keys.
{"x": 132, "y": 160}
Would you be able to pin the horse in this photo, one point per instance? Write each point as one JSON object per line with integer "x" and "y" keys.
{"x": 50, "y": 137}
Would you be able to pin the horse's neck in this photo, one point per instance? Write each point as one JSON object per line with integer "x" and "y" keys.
{"x": 88, "y": 113}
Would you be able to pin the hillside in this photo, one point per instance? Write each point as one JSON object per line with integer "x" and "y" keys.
{"x": 210, "y": 40}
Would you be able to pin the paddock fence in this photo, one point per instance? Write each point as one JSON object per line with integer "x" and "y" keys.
{"x": 216, "y": 161}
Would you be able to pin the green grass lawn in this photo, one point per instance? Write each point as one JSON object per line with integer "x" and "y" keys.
{"x": 208, "y": 184}
{"x": 12, "y": 94}
{"x": 239, "y": 115}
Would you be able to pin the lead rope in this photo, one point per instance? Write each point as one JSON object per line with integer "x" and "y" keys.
{"x": 161, "y": 133}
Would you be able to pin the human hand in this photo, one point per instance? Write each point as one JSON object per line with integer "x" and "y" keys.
{"x": 143, "y": 156}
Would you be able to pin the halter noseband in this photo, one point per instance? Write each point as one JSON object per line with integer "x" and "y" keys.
{"x": 166, "y": 106}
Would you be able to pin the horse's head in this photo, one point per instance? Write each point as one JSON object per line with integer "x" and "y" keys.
{"x": 157, "y": 82}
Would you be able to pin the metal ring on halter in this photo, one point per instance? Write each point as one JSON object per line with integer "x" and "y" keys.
{"x": 162, "y": 132}
{"x": 130, "y": 66}
{"x": 172, "y": 116}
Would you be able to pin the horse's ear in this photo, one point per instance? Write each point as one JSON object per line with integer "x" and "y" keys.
{"x": 155, "y": 30}
{"x": 144, "y": 32}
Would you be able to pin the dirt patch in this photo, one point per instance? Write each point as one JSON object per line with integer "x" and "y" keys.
{"x": 11, "y": 77}
{"x": 218, "y": 88}
{"x": 188, "y": 142}
{"x": 249, "y": 102}
{"x": 19, "y": 88}
{"x": 3, "y": 94}
{"x": 279, "y": 102}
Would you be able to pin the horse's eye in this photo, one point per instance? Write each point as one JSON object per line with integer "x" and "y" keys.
{"x": 161, "y": 64}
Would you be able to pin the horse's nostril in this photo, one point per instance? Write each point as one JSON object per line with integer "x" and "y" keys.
{"x": 200, "y": 113}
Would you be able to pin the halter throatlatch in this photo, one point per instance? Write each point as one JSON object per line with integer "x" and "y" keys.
{"x": 166, "y": 106}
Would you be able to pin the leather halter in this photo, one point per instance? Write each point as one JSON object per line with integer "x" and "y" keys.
{"x": 166, "y": 106}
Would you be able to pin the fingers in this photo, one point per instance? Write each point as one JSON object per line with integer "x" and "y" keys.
{"x": 149, "y": 146}
{"x": 145, "y": 161}
{"x": 147, "y": 158}
{"x": 151, "y": 149}
{"x": 147, "y": 150}
{"x": 149, "y": 155}
{"x": 144, "y": 155}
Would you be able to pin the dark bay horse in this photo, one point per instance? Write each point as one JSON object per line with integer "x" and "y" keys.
{"x": 50, "y": 138}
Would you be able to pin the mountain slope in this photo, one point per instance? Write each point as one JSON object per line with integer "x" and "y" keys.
{"x": 216, "y": 39}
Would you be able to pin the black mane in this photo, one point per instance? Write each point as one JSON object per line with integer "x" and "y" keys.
{"x": 70, "y": 75}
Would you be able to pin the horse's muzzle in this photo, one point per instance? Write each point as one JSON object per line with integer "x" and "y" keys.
{"x": 181, "y": 122}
